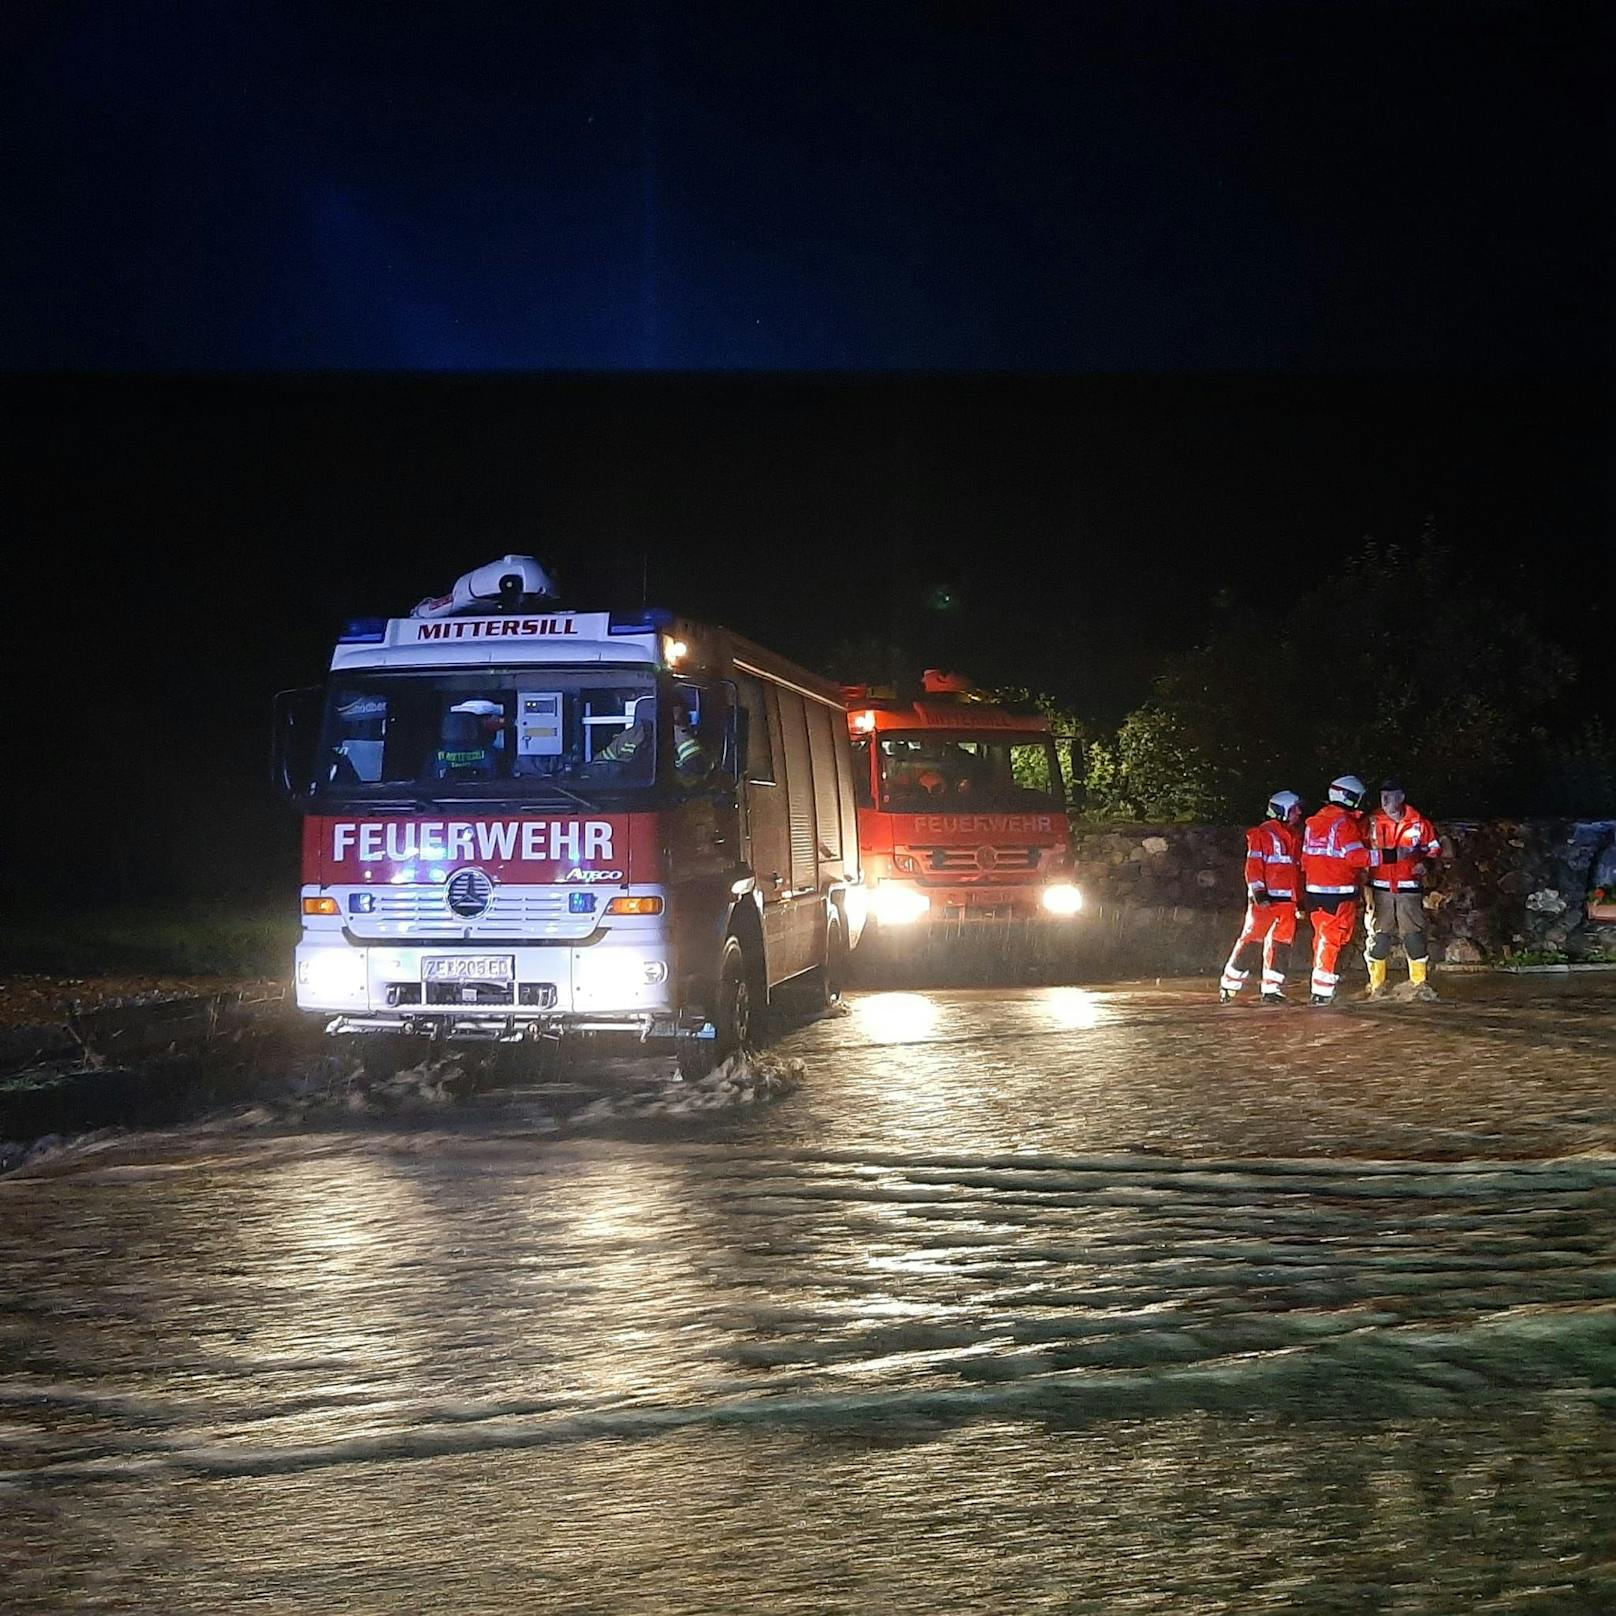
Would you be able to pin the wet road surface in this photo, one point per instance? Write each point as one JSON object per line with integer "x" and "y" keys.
{"x": 1045, "y": 1299}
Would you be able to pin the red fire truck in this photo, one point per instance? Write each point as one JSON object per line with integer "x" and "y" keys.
{"x": 523, "y": 821}
{"x": 962, "y": 813}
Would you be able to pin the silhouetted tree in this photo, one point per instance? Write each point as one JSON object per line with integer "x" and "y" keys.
{"x": 1399, "y": 665}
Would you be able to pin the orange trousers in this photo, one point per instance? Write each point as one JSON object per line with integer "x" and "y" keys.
{"x": 1270, "y": 929}
{"x": 1332, "y": 931}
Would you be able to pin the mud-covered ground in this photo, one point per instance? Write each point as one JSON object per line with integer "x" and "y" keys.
{"x": 1035, "y": 1299}
{"x": 34, "y": 1001}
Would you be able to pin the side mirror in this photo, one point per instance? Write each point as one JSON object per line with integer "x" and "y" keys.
{"x": 296, "y": 740}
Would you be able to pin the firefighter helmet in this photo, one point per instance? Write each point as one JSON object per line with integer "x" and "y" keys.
{"x": 1348, "y": 790}
{"x": 1283, "y": 805}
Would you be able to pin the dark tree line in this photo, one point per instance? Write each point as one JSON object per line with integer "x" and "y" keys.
{"x": 1400, "y": 664}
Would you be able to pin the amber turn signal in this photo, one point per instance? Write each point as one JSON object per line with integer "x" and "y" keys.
{"x": 634, "y": 906}
{"x": 321, "y": 906}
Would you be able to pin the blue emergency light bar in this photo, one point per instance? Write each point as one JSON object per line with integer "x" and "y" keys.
{"x": 646, "y": 622}
{"x": 363, "y": 631}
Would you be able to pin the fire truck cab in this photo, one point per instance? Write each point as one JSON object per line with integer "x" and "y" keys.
{"x": 523, "y": 821}
{"x": 962, "y": 812}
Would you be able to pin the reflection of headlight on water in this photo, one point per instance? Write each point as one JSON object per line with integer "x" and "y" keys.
{"x": 1071, "y": 1007}
{"x": 1062, "y": 898}
{"x": 893, "y": 904}
{"x": 895, "y": 1018}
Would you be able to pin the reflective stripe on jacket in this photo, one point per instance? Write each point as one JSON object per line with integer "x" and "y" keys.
{"x": 1403, "y": 843}
{"x": 1333, "y": 850}
{"x": 1272, "y": 852}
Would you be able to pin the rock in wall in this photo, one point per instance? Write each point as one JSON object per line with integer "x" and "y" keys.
{"x": 1168, "y": 898}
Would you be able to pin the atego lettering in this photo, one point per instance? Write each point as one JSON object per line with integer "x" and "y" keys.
{"x": 464, "y": 841}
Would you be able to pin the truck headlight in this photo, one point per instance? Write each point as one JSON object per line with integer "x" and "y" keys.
{"x": 614, "y": 973}
{"x": 332, "y": 975}
{"x": 1062, "y": 898}
{"x": 893, "y": 904}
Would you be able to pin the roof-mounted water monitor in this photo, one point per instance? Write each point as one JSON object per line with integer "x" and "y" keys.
{"x": 512, "y": 583}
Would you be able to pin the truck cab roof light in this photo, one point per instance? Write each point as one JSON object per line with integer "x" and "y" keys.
{"x": 646, "y": 622}
{"x": 363, "y": 631}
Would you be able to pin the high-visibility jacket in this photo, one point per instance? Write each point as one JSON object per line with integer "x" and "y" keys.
{"x": 625, "y": 744}
{"x": 1273, "y": 851}
{"x": 1402, "y": 844}
{"x": 689, "y": 755}
{"x": 1333, "y": 850}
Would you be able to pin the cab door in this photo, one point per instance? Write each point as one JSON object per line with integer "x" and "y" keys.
{"x": 703, "y": 826}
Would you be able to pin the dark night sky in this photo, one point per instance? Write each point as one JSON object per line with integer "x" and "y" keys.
{"x": 1115, "y": 187}
{"x": 1075, "y": 309}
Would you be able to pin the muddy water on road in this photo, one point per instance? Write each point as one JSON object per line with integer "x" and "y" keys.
{"x": 1051, "y": 1299}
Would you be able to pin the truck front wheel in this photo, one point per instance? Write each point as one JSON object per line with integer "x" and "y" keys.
{"x": 831, "y": 978}
{"x": 734, "y": 1016}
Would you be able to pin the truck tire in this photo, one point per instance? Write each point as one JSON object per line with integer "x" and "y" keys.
{"x": 830, "y": 979}
{"x": 735, "y": 1015}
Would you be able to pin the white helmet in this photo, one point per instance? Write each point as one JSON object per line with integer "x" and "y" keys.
{"x": 1348, "y": 790}
{"x": 1282, "y": 803}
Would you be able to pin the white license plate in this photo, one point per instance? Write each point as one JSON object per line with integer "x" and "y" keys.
{"x": 469, "y": 968}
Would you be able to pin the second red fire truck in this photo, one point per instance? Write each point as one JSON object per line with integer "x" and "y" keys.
{"x": 962, "y": 811}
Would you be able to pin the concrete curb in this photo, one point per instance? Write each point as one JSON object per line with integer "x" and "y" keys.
{"x": 1568, "y": 969}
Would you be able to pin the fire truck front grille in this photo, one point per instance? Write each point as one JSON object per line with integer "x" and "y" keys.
{"x": 469, "y": 992}
{"x": 423, "y": 911}
{"x": 980, "y": 860}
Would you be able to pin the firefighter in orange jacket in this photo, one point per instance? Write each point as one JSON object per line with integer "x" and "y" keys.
{"x": 1333, "y": 858}
{"x": 1273, "y": 890}
{"x": 1401, "y": 842}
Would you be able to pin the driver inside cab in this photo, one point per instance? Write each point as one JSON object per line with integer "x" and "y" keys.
{"x": 691, "y": 759}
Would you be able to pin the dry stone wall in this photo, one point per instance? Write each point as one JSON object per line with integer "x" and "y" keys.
{"x": 1164, "y": 899}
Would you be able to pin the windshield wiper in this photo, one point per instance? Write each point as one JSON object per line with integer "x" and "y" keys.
{"x": 571, "y": 796}
{"x": 388, "y": 805}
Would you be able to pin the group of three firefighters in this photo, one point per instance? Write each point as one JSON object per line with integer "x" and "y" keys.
{"x": 1315, "y": 868}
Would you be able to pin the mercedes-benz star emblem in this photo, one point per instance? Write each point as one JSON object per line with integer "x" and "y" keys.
{"x": 470, "y": 893}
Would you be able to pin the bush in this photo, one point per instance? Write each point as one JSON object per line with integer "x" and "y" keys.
{"x": 1578, "y": 778}
{"x": 1153, "y": 771}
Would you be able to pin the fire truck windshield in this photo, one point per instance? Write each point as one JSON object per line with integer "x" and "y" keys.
{"x": 926, "y": 770}
{"x": 500, "y": 732}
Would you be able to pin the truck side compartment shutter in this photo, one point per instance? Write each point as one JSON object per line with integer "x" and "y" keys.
{"x": 822, "y": 743}
{"x": 846, "y": 764}
{"x": 800, "y": 787}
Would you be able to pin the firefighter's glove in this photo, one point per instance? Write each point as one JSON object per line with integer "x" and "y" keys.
{"x": 1257, "y": 891}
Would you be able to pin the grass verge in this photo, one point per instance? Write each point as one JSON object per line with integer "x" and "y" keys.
{"x": 184, "y": 943}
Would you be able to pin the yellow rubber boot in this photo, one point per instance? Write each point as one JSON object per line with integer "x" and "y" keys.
{"x": 1416, "y": 971}
{"x": 1377, "y": 974}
